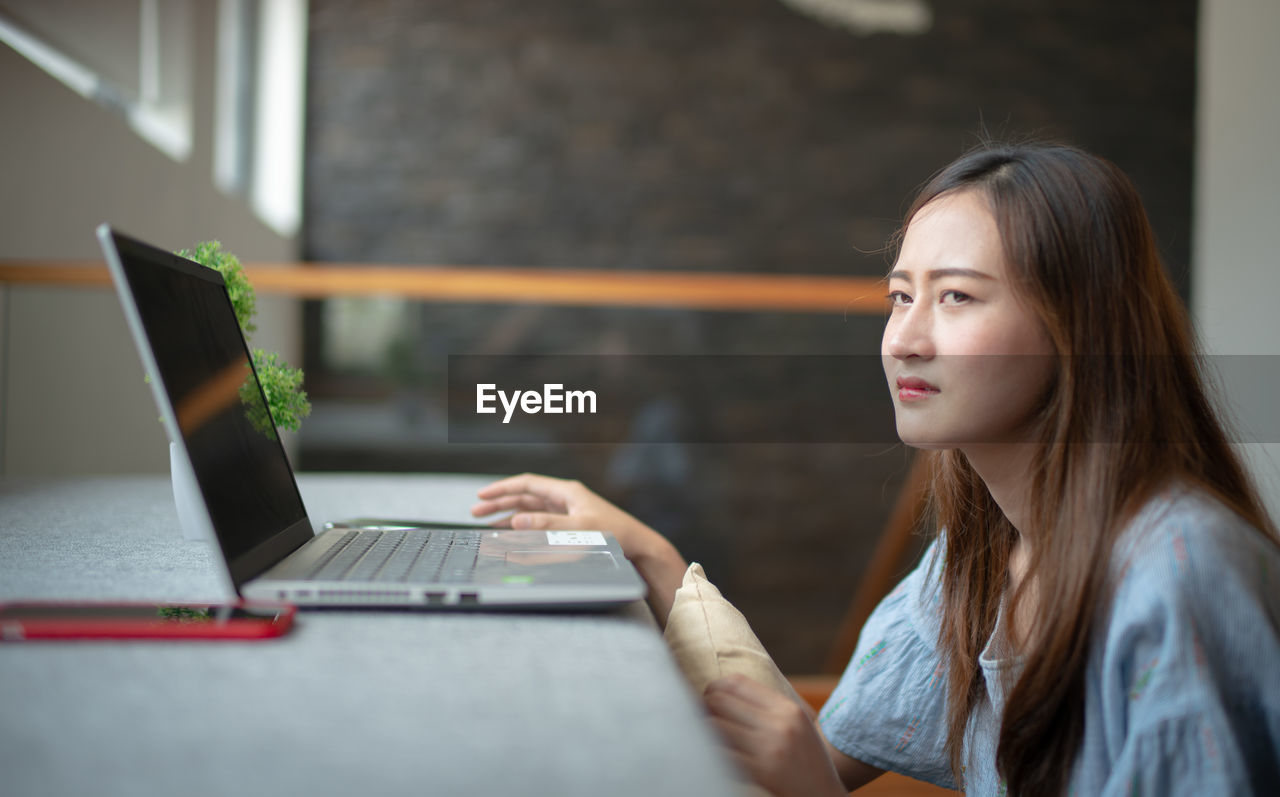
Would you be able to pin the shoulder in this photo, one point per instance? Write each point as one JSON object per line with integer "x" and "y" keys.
{"x": 1189, "y": 641}
{"x": 904, "y": 627}
{"x": 1187, "y": 550}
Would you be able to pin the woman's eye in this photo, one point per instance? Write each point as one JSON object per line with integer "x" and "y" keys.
{"x": 898, "y": 299}
{"x": 954, "y": 297}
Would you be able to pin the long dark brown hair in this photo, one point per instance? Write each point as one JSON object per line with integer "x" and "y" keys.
{"x": 1127, "y": 414}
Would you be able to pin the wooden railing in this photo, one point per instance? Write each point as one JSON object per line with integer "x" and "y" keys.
{"x": 696, "y": 290}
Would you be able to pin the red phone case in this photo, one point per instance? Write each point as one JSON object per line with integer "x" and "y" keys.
{"x": 13, "y": 629}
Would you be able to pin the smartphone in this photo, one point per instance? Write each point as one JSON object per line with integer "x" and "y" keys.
{"x": 39, "y": 620}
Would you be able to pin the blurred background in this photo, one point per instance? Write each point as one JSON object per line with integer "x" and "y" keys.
{"x": 731, "y": 137}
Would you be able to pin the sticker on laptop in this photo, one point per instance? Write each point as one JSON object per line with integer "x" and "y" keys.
{"x": 575, "y": 538}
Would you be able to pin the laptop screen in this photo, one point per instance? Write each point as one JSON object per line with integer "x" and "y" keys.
{"x": 204, "y": 368}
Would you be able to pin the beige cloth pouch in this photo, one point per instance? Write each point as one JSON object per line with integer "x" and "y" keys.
{"x": 711, "y": 639}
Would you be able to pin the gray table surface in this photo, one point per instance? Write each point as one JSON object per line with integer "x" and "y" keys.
{"x": 350, "y": 702}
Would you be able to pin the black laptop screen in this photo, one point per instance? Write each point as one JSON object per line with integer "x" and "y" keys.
{"x": 204, "y": 366}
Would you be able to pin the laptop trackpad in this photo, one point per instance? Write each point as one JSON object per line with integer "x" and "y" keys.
{"x": 576, "y": 560}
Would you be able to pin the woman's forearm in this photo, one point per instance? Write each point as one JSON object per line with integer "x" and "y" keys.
{"x": 662, "y": 568}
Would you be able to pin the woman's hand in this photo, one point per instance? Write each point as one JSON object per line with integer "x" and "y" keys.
{"x": 542, "y": 502}
{"x": 772, "y": 738}
{"x": 546, "y": 503}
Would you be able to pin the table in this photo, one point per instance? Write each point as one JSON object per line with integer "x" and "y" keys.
{"x": 350, "y": 702}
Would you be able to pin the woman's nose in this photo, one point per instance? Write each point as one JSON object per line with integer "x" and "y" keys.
{"x": 908, "y": 334}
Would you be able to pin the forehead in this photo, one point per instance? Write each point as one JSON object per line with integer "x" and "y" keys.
{"x": 956, "y": 230}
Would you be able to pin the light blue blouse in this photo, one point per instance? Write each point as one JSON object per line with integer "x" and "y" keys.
{"x": 1182, "y": 686}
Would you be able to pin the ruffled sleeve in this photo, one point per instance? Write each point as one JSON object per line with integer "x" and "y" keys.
{"x": 889, "y": 709}
{"x": 1190, "y": 663}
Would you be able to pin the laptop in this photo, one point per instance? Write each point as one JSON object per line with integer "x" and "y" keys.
{"x": 212, "y": 405}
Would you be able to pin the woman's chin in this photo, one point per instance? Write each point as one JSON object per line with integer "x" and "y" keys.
{"x": 925, "y": 442}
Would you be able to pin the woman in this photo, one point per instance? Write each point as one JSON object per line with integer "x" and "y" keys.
{"x": 1100, "y": 612}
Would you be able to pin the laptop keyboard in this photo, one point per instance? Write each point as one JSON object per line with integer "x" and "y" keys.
{"x": 392, "y": 556}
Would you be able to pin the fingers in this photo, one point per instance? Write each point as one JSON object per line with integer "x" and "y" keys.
{"x": 735, "y": 735}
{"x": 527, "y": 491}
{"x": 543, "y": 502}
{"x": 740, "y": 688}
{"x": 540, "y": 521}
{"x": 531, "y": 483}
{"x": 726, "y": 705}
{"x": 745, "y": 707}
{"x": 536, "y": 521}
{"x": 770, "y": 738}
{"x": 506, "y": 503}
{"x": 747, "y": 736}
{"x": 737, "y": 749}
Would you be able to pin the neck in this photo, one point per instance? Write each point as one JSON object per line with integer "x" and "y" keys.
{"x": 1005, "y": 468}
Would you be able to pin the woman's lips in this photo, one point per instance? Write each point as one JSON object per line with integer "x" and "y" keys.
{"x": 912, "y": 388}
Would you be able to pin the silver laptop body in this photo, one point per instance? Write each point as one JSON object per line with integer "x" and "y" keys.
{"x": 194, "y": 352}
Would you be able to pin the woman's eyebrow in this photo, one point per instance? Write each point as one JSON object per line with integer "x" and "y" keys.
{"x": 938, "y": 273}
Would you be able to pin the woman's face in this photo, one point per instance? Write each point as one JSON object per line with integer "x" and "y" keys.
{"x": 967, "y": 361}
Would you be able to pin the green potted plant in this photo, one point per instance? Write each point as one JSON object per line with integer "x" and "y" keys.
{"x": 286, "y": 401}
